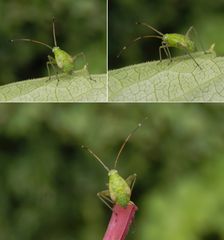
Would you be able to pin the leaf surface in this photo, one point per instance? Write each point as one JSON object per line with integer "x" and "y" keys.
{"x": 181, "y": 80}
{"x": 70, "y": 88}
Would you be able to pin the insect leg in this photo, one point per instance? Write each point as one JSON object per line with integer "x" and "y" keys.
{"x": 48, "y": 70}
{"x": 189, "y": 30}
{"x": 104, "y": 196}
{"x": 192, "y": 58}
{"x": 167, "y": 52}
{"x": 192, "y": 29}
{"x": 81, "y": 54}
{"x": 51, "y": 61}
{"x": 160, "y": 54}
{"x": 130, "y": 180}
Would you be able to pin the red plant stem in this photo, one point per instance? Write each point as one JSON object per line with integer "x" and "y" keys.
{"x": 120, "y": 222}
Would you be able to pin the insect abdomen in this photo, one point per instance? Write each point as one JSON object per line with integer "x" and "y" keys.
{"x": 119, "y": 190}
{"x": 123, "y": 199}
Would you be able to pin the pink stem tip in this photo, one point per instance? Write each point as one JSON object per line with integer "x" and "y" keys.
{"x": 120, "y": 222}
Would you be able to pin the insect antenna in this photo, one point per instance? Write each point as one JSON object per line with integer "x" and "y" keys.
{"x": 96, "y": 157}
{"x": 53, "y": 25}
{"x": 148, "y": 26}
{"x": 31, "y": 40}
{"x": 135, "y": 40}
{"x": 126, "y": 140}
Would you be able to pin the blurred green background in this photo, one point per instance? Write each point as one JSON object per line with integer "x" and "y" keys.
{"x": 49, "y": 184}
{"x": 80, "y": 26}
{"x": 168, "y": 16}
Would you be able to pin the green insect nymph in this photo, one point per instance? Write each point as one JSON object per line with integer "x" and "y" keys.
{"x": 168, "y": 40}
{"x": 64, "y": 61}
{"x": 119, "y": 189}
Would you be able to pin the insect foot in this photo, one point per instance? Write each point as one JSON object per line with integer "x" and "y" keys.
{"x": 85, "y": 68}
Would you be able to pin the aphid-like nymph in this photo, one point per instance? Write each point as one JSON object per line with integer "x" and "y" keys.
{"x": 62, "y": 60}
{"x": 175, "y": 40}
{"x": 120, "y": 189}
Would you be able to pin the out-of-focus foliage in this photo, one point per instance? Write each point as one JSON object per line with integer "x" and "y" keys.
{"x": 48, "y": 183}
{"x": 190, "y": 209}
{"x": 168, "y": 16}
{"x": 80, "y": 27}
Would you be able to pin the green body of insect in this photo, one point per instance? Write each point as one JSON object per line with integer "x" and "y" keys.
{"x": 119, "y": 189}
{"x": 64, "y": 61}
{"x": 175, "y": 40}
{"x": 178, "y": 41}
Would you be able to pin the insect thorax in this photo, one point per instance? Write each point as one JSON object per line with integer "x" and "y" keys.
{"x": 179, "y": 41}
{"x": 119, "y": 190}
{"x": 112, "y": 172}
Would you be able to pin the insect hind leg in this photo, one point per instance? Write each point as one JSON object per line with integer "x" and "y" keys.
{"x": 130, "y": 180}
{"x": 81, "y": 54}
{"x": 193, "y": 58}
{"x": 192, "y": 29}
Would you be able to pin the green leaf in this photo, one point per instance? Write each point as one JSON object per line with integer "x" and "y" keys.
{"x": 70, "y": 88}
{"x": 181, "y": 80}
